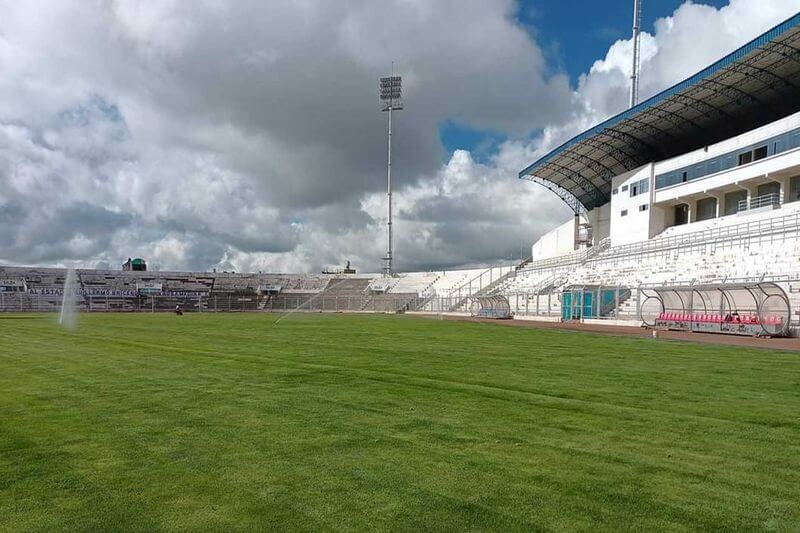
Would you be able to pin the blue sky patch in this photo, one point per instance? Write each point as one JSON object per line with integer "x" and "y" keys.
{"x": 481, "y": 143}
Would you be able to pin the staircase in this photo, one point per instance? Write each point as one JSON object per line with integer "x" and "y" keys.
{"x": 611, "y": 308}
{"x": 483, "y": 284}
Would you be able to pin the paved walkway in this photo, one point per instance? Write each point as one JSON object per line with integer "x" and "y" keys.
{"x": 628, "y": 331}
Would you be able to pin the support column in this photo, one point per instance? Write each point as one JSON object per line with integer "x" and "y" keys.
{"x": 576, "y": 231}
{"x": 749, "y": 192}
{"x": 720, "y": 198}
{"x": 785, "y": 184}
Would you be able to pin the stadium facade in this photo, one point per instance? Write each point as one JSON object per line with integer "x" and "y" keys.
{"x": 719, "y": 143}
{"x": 686, "y": 215}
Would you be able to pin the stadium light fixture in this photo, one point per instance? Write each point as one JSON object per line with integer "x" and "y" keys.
{"x": 391, "y": 97}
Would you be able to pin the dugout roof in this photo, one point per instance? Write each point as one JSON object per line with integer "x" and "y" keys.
{"x": 755, "y": 85}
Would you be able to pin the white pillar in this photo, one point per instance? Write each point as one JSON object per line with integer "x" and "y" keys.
{"x": 720, "y": 198}
{"x": 784, "y": 193}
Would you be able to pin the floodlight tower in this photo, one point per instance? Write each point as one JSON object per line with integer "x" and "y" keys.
{"x": 391, "y": 100}
{"x": 637, "y": 22}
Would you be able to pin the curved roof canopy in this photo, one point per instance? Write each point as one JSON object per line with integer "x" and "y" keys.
{"x": 755, "y": 85}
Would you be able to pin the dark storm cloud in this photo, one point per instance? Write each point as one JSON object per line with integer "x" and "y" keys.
{"x": 87, "y": 219}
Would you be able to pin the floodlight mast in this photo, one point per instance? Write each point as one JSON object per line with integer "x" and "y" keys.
{"x": 637, "y": 23}
{"x": 391, "y": 100}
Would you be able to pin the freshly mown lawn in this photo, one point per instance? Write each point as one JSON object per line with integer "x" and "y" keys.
{"x": 342, "y": 422}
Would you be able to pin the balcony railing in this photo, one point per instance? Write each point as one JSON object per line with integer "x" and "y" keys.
{"x": 772, "y": 199}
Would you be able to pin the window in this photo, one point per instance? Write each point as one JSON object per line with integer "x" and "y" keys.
{"x": 615, "y": 191}
{"x": 745, "y": 158}
{"x": 624, "y": 188}
{"x": 643, "y": 207}
{"x": 640, "y": 187}
{"x": 623, "y": 213}
{"x": 773, "y": 146}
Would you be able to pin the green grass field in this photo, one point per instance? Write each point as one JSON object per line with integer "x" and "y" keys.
{"x": 337, "y": 422}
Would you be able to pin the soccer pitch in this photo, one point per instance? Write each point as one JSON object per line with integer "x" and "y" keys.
{"x": 368, "y": 422}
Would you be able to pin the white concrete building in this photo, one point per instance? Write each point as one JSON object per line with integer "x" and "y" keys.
{"x": 722, "y": 143}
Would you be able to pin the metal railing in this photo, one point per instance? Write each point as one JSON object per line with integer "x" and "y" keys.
{"x": 772, "y": 199}
{"x": 547, "y": 304}
{"x": 573, "y": 258}
{"x": 751, "y": 230}
{"x": 21, "y": 302}
{"x": 482, "y": 281}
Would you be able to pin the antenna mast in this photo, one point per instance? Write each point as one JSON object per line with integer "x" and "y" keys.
{"x": 391, "y": 100}
{"x": 637, "y": 21}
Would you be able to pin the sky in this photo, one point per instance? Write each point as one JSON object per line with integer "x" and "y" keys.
{"x": 246, "y": 135}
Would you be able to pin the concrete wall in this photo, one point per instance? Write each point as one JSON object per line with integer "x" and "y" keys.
{"x": 556, "y": 242}
{"x": 600, "y": 219}
{"x": 628, "y": 222}
{"x": 561, "y": 240}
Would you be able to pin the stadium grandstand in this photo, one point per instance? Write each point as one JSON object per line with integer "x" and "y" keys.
{"x": 686, "y": 216}
{"x": 697, "y": 185}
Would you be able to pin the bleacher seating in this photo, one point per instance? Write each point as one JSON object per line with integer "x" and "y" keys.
{"x": 756, "y": 245}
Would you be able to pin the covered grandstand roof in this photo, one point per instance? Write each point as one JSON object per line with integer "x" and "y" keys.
{"x": 755, "y": 85}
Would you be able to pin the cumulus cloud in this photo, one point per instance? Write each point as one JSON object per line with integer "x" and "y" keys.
{"x": 693, "y": 37}
{"x": 246, "y": 135}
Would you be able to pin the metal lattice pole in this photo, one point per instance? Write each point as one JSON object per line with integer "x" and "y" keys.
{"x": 391, "y": 98}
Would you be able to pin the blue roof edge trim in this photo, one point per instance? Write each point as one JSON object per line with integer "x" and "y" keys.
{"x": 759, "y": 41}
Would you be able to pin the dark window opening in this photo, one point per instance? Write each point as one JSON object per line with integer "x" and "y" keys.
{"x": 706, "y": 209}
{"x": 634, "y": 190}
{"x": 624, "y": 188}
{"x": 615, "y": 191}
{"x": 794, "y": 189}
{"x": 684, "y": 176}
{"x": 681, "y": 214}
{"x": 732, "y": 200}
{"x": 759, "y": 153}
{"x": 745, "y": 158}
{"x": 643, "y": 207}
{"x": 623, "y": 213}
